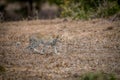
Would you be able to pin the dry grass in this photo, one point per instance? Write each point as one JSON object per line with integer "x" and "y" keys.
{"x": 92, "y": 46}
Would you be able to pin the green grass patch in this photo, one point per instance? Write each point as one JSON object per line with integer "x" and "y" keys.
{"x": 97, "y": 76}
{"x": 2, "y": 69}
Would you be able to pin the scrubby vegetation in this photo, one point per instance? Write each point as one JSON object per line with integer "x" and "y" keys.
{"x": 82, "y": 9}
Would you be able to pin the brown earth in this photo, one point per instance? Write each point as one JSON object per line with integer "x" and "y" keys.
{"x": 91, "y": 46}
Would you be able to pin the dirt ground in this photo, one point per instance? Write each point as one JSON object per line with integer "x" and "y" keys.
{"x": 87, "y": 46}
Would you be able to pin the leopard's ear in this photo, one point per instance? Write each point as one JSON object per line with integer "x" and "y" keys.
{"x": 57, "y": 36}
